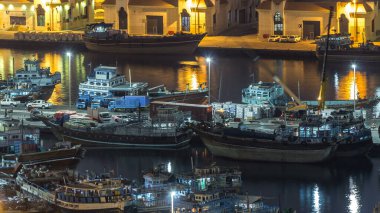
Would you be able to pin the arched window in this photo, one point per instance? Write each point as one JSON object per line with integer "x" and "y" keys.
{"x": 278, "y": 24}
{"x": 40, "y": 16}
{"x": 185, "y": 21}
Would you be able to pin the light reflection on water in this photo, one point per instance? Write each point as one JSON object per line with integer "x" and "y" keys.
{"x": 353, "y": 197}
{"x": 316, "y": 199}
{"x": 229, "y": 75}
{"x": 345, "y": 89}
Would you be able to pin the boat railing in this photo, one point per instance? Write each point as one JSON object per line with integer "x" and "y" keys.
{"x": 84, "y": 86}
{"x": 105, "y": 80}
{"x": 35, "y": 189}
{"x": 155, "y": 189}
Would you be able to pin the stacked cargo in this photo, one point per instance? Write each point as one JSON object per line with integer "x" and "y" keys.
{"x": 248, "y": 112}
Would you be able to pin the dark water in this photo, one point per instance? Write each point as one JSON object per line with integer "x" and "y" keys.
{"x": 343, "y": 186}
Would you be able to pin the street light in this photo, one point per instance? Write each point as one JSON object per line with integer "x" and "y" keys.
{"x": 354, "y": 67}
{"x": 208, "y": 59}
{"x": 69, "y": 55}
{"x": 172, "y": 198}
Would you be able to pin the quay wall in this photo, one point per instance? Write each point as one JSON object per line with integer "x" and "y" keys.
{"x": 217, "y": 44}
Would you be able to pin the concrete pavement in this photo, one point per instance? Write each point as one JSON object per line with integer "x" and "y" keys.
{"x": 255, "y": 43}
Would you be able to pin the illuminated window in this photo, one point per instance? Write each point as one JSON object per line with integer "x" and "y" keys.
{"x": 278, "y": 24}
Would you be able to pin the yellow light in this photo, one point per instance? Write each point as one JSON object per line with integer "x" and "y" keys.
{"x": 59, "y": 8}
{"x": 67, "y": 7}
{"x": 1, "y": 6}
{"x": 189, "y": 3}
{"x": 32, "y": 8}
{"x": 23, "y": 7}
{"x": 83, "y": 4}
{"x": 11, "y": 7}
{"x": 350, "y": 8}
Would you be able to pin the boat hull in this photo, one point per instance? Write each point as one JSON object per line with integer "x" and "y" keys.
{"x": 93, "y": 139}
{"x": 93, "y": 207}
{"x": 354, "y": 149}
{"x": 162, "y": 145}
{"x": 194, "y": 98}
{"x": 368, "y": 56}
{"x": 136, "y": 46}
{"x": 245, "y": 149}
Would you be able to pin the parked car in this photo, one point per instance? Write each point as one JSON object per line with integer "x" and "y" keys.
{"x": 274, "y": 38}
{"x": 294, "y": 38}
{"x": 284, "y": 39}
{"x": 9, "y": 102}
{"x": 38, "y": 104}
{"x": 121, "y": 118}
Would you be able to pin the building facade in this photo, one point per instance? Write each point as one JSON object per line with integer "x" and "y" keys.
{"x": 45, "y": 15}
{"x": 170, "y": 16}
{"x": 309, "y": 18}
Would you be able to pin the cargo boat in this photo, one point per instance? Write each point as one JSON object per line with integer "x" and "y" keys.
{"x": 196, "y": 96}
{"x": 340, "y": 48}
{"x": 257, "y": 148}
{"x": 35, "y": 75}
{"x": 59, "y": 157}
{"x": 101, "y": 37}
{"x": 164, "y": 131}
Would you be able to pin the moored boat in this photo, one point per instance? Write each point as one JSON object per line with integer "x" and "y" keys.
{"x": 108, "y": 195}
{"x": 185, "y": 96}
{"x": 164, "y": 131}
{"x": 340, "y": 48}
{"x": 269, "y": 150}
{"x": 101, "y": 37}
{"x": 35, "y": 75}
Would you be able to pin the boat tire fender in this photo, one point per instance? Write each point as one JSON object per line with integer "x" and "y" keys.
{"x": 303, "y": 142}
{"x": 324, "y": 140}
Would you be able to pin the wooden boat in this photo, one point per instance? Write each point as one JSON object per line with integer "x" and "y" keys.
{"x": 339, "y": 104}
{"x": 340, "y": 49}
{"x": 260, "y": 149}
{"x": 109, "y": 195}
{"x": 197, "y": 96}
{"x": 102, "y": 38}
{"x": 159, "y": 134}
{"x": 66, "y": 157}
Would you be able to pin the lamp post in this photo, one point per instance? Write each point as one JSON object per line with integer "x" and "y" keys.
{"x": 354, "y": 67}
{"x": 355, "y": 21}
{"x": 69, "y": 55}
{"x": 172, "y": 199}
{"x": 209, "y": 79}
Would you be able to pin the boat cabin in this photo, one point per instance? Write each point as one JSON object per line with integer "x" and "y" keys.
{"x": 203, "y": 177}
{"x": 34, "y": 74}
{"x": 105, "y": 82}
{"x": 98, "y": 30}
{"x": 315, "y": 129}
{"x": 263, "y": 92}
{"x": 336, "y": 42}
{"x": 32, "y": 68}
{"x": 206, "y": 196}
{"x": 95, "y": 191}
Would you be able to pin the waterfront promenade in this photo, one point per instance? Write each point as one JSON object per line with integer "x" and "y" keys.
{"x": 232, "y": 43}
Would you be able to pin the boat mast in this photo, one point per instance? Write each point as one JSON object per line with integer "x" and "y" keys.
{"x": 322, "y": 90}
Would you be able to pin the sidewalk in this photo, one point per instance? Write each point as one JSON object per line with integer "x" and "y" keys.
{"x": 254, "y": 43}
